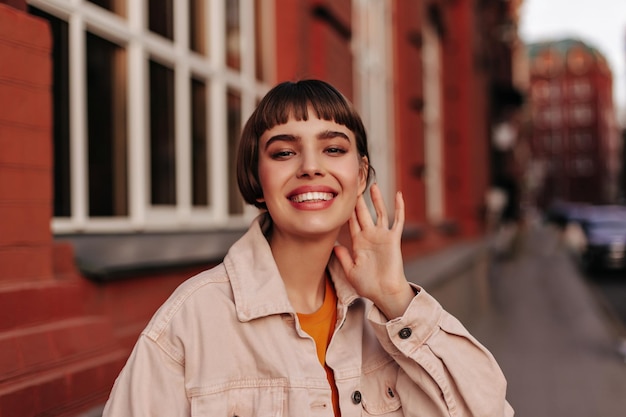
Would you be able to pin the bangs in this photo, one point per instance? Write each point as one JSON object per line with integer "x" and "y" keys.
{"x": 295, "y": 100}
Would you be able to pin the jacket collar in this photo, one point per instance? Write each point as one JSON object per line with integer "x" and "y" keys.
{"x": 258, "y": 288}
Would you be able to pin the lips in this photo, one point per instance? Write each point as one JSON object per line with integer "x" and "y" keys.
{"x": 311, "y": 197}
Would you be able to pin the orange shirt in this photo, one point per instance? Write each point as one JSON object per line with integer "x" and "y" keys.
{"x": 320, "y": 326}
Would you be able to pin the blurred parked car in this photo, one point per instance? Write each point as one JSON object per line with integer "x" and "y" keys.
{"x": 605, "y": 230}
{"x": 569, "y": 217}
{"x": 562, "y": 213}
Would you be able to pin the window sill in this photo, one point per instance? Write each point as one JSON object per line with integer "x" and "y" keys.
{"x": 109, "y": 257}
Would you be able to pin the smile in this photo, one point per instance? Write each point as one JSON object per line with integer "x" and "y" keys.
{"x": 312, "y": 197}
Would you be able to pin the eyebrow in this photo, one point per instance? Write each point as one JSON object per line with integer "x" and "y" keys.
{"x": 324, "y": 135}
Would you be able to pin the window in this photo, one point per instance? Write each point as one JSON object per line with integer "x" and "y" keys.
{"x": 538, "y": 143}
{"x": 162, "y": 144}
{"x": 555, "y": 92}
{"x": 106, "y": 128}
{"x": 115, "y": 6}
{"x": 551, "y": 117}
{"x": 161, "y": 18}
{"x": 198, "y": 36}
{"x": 579, "y": 89}
{"x": 582, "y": 140}
{"x": 233, "y": 33}
{"x": 582, "y": 167}
{"x": 541, "y": 91}
{"x": 148, "y": 101}
{"x": 546, "y": 91}
{"x": 200, "y": 147}
{"x": 554, "y": 167}
{"x": 553, "y": 143}
{"x": 233, "y": 101}
{"x": 581, "y": 114}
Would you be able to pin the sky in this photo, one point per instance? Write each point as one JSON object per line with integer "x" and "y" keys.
{"x": 600, "y": 23}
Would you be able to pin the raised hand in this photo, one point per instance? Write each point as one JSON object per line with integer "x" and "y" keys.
{"x": 375, "y": 268}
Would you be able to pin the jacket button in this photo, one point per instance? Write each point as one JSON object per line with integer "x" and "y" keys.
{"x": 405, "y": 333}
{"x": 356, "y": 397}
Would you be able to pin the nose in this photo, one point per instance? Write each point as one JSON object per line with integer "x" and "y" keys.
{"x": 310, "y": 166}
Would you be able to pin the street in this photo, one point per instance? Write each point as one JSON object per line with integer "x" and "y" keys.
{"x": 555, "y": 337}
{"x": 611, "y": 286}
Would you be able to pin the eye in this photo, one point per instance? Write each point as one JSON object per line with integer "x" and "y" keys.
{"x": 335, "y": 150}
{"x": 282, "y": 154}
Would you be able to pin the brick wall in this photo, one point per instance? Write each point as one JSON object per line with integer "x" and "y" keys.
{"x": 55, "y": 357}
{"x": 25, "y": 148}
{"x": 313, "y": 41}
{"x": 63, "y": 339}
{"x": 408, "y": 107}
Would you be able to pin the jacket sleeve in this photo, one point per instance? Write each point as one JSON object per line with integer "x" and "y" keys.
{"x": 150, "y": 384}
{"x": 444, "y": 370}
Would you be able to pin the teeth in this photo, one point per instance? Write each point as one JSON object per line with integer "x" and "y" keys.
{"x": 312, "y": 196}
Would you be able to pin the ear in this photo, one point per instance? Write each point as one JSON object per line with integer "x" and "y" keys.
{"x": 363, "y": 171}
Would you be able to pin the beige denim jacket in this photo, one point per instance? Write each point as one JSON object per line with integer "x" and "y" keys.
{"x": 228, "y": 343}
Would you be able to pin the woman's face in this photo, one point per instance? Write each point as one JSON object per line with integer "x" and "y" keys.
{"x": 311, "y": 175}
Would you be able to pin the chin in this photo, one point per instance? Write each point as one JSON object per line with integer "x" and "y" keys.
{"x": 319, "y": 227}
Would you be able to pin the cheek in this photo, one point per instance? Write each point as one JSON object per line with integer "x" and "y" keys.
{"x": 264, "y": 171}
{"x": 353, "y": 180}
{"x": 359, "y": 174}
{"x": 270, "y": 178}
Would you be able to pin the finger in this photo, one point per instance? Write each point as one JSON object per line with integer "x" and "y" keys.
{"x": 363, "y": 214}
{"x": 379, "y": 206}
{"x": 354, "y": 226}
{"x": 398, "y": 221}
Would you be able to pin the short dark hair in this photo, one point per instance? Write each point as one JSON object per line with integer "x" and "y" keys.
{"x": 292, "y": 99}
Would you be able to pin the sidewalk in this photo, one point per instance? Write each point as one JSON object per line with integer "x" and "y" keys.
{"x": 552, "y": 337}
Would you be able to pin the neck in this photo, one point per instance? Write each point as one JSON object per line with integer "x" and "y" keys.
{"x": 302, "y": 265}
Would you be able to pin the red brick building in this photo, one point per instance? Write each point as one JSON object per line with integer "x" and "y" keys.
{"x": 117, "y": 132}
{"x": 575, "y": 136}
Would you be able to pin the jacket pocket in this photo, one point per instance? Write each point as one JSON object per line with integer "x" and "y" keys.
{"x": 378, "y": 392}
{"x": 249, "y": 398}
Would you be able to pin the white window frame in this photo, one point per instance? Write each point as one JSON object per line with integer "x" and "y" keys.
{"x": 433, "y": 123}
{"x": 131, "y": 33}
{"x": 373, "y": 68}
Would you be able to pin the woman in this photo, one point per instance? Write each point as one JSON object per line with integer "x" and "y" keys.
{"x": 294, "y": 324}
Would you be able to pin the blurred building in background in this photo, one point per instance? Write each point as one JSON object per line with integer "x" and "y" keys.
{"x": 575, "y": 137}
{"x": 622, "y": 123}
{"x": 118, "y": 129}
